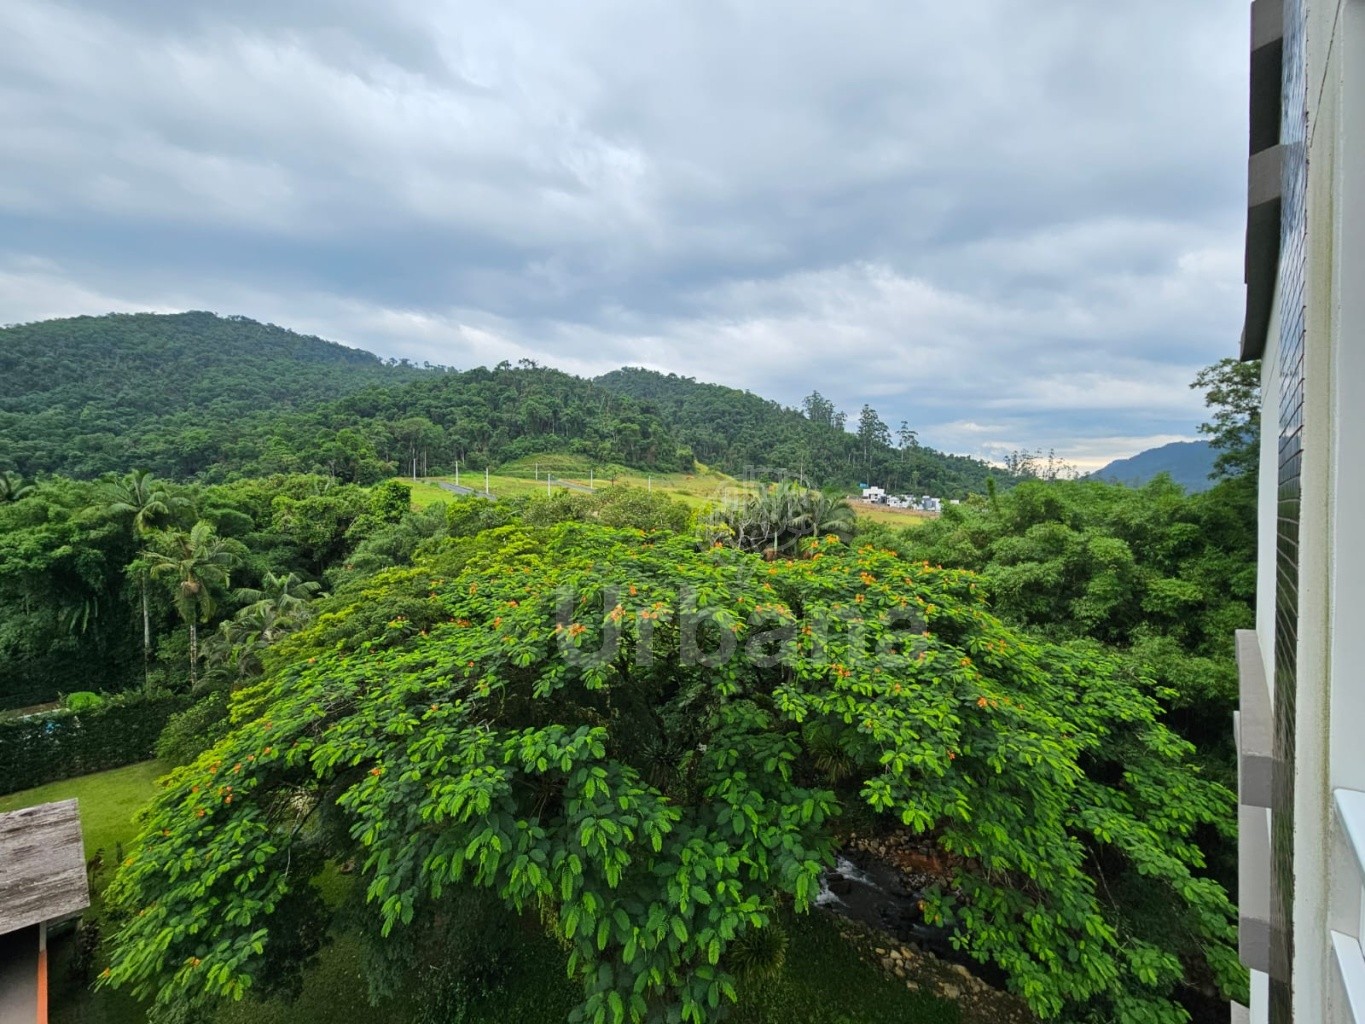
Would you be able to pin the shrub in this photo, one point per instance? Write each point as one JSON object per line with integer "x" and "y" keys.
{"x": 66, "y": 743}
{"x": 190, "y": 732}
{"x": 82, "y": 700}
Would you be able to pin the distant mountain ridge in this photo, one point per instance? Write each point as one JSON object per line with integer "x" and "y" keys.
{"x": 202, "y": 396}
{"x": 1188, "y": 463}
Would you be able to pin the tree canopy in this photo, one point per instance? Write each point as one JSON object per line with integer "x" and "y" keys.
{"x": 648, "y": 747}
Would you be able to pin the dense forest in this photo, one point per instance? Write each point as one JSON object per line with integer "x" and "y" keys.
{"x": 732, "y": 430}
{"x": 196, "y": 396}
{"x": 90, "y": 395}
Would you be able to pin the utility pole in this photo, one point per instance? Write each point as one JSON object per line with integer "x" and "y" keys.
{"x": 590, "y": 487}
{"x": 547, "y": 483}
{"x": 485, "y": 479}
{"x": 457, "y": 472}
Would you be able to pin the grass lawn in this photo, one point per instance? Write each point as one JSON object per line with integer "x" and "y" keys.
{"x": 702, "y": 487}
{"x": 824, "y": 981}
{"x": 108, "y": 801}
{"x": 527, "y": 477}
{"x": 891, "y": 516}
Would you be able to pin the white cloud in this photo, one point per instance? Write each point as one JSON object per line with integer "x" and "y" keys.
{"x": 1012, "y": 225}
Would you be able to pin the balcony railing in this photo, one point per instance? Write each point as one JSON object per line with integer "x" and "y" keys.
{"x": 1350, "y": 960}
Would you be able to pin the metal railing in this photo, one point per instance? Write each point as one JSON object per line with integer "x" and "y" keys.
{"x": 1346, "y": 949}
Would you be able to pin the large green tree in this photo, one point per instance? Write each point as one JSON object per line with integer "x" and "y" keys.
{"x": 145, "y": 503}
{"x": 1161, "y": 577}
{"x": 196, "y": 568}
{"x": 874, "y": 437}
{"x": 630, "y": 741}
{"x": 1232, "y": 390}
{"x": 62, "y": 595}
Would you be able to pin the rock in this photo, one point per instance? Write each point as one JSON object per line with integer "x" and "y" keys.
{"x": 950, "y": 992}
{"x": 964, "y": 972}
{"x": 879, "y": 951}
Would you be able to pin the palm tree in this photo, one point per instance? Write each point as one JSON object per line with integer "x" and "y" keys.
{"x": 12, "y": 487}
{"x": 810, "y": 514}
{"x": 147, "y": 503}
{"x": 780, "y": 517}
{"x": 234, "y": 655}
{"x": 197, "y": 567}
{"x": 284, "y": 596}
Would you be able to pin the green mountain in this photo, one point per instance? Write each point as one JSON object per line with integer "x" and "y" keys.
{"x": 1188, "y": 463}
{"x": 195, "y": 395}
{"x": 86, "y": 395}
{"x": 733, "y": 430}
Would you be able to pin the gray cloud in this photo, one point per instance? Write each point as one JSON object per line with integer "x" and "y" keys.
{"x": 1012, "y": 225}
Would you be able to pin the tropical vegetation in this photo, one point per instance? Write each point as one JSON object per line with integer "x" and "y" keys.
{"x": 631, "y": 740}
{"x": 605, "y": 733}
{"x": 219, "y": 398}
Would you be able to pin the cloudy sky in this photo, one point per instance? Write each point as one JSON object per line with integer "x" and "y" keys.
{"x": 1013, "y": 225}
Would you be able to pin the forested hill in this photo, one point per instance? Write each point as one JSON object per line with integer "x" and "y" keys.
{"x": 194, "y": 395}
{"x": 88, "y": 394}
{"x": 732, "y": 429}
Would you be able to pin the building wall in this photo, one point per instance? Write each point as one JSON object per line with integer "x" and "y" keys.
{"x": 1311, "y": 599}
{"x": 1339, "y": 154}
{"x": 1288, "y": 405}
{"x": 1311, "y": 563}
{"x": 1348, "y": 410}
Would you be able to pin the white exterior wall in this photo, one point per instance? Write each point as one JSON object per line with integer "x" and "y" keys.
{"x": 1330, "y": 721}
{"x": 1312, "y": 789}
{"x": 1329, "y": 871}
{"x": 1348, "y": 408}
{"x": 1342, "y": 310}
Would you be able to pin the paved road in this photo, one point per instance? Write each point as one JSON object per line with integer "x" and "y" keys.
{"x": 464, "y": 491}
{"x": 19, "y": 976}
